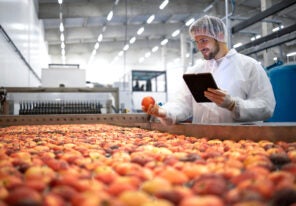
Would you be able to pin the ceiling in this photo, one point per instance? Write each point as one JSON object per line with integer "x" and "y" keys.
{"x": 85, "y": 20}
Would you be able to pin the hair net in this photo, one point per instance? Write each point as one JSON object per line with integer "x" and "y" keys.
{"x": 209, "y": 26}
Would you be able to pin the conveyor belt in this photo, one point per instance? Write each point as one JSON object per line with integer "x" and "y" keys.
{"x": 236, "y": 131}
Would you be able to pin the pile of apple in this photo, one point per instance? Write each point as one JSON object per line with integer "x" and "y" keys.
{"x": 105, "y": 165}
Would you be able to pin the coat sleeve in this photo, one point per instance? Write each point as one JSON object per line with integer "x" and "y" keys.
{"x": 260, "y": 102}
{"x": 180, "y": 108}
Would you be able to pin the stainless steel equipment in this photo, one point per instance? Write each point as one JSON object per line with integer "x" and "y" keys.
{"x": 61, "y": 100}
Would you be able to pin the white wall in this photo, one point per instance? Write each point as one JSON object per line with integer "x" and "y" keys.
{"x": 19, "y": 20}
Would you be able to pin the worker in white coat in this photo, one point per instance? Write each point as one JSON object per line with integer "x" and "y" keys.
{"x": 245, "y": 93}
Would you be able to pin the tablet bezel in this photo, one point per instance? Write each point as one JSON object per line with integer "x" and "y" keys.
{"x": 198, "y": 83}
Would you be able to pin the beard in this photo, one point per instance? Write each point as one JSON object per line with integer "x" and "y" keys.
{"x": 212, "y": 52}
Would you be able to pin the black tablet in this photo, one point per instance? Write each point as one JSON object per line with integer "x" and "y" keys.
{"x": 198, "y": 83}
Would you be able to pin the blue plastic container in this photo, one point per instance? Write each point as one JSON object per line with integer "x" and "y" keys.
{"x": 283, "y": 80}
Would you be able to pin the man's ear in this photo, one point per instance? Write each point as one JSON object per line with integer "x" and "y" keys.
{"x": 220, "y": 35}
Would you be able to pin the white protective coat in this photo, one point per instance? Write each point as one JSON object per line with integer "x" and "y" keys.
{"x": 245, "y": 81}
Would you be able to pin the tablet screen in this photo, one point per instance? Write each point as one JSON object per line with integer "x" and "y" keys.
{"x": 198, "y": 83}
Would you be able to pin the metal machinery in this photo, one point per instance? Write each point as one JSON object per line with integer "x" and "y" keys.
{"x": 10, "y": 97}
{"x": 61, "y": 100}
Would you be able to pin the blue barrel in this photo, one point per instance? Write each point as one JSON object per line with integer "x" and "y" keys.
{"x": 283, "y": 80}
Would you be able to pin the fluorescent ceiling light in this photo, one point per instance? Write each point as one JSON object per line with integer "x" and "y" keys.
{"x": 116, "y": 2}
{"x": 62, "y": 37}
{"x": 140, "y": 31}
{"x": 291, "y": 54}
{"x": 163, "y": 4}
{"x": 189, "y": 22}
{"x": 61, "y": 27}
{"x": 63, "y": 52}
{"x": 97, "y": 45}
{"x": 94, "y": 52}
{"x": 176, "y": 60}
{"x": 176, "y": 33}
{"x": 110, "y": 15}
{"x": 132, "y": 40}
{"x": 120, "y": 53}
{"x": 237, "y": 45}
{"x": 100, "y": 37}
{"x": 255, "y": 37}
{"x": 150, "y": 19}
{"x": 148, "y": 54}
{"x": 60, "y": 1}
{"x": 63, "y": 45}
{"x": 208, "y": 8}
{"x": 154, "y": 49}
{"x": 277, "y": 28}
{"x": 164, "y": 42}
{"x": 141, "y": 59}
{"x": 125, "y": 47}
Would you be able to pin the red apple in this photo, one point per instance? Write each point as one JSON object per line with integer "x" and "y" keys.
{"x": 23, "y": 196}
{"x": 205, "y": 200}
{"x": 53, "y": 200}
{"x": 147, "y": 101}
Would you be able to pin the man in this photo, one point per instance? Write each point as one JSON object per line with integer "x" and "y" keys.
{"x": 245, "y": 93}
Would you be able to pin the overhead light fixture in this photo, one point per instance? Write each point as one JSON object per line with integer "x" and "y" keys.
{"x": 94, "y": 52}
{"x": 148, "y": 54}
{"x": 97, "y": 45}
{"x": 100, "y": 37}
{"x": 154, "y": 49}
{"x": 120, "y": 53}
{"x": 176, "y": 33}
{"x": 110, "y": 15}
{"x": 163, "y": 4}
{"x": 208, "y": 8}
{"x": 62, "y": 37}
{"x": 189, "y": 22}
{"x": 164, "y": 42}
{"x": 255, "y": 37}
{"x": 291, "y": 54}
{"x": 61, "y": 27}
{"x": 177, "y": 60}
{"x": 125, "y": 47}
{"x": 132, "y": 40}
{"x": 63, "y": 52}
{"x": 116, "y": 2}
{"x": 141, "y": 59}
{"x": 150, "y": 19}
{"x": 140, "y": 31}
{"x": 60, "y": 1}
{"x": 63, "y": 45}
{"x": 237, "y": 45}
{"x": 277, "y": 28}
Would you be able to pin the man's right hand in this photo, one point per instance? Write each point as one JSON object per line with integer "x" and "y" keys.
{"x": 155, "y": 110}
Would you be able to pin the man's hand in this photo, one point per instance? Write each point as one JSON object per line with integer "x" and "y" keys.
{"x": 155, "y": 110}
{"x": 220, "y": 97}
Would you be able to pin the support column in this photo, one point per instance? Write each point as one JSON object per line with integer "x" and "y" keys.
{"x": 164, "y": 62}
{"x": 183, "y": 49}
{"x": 266, "y": 28}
